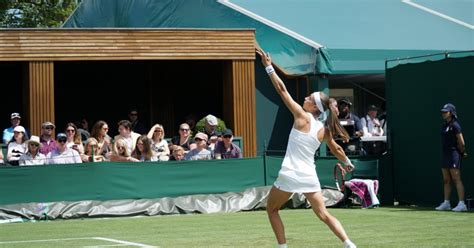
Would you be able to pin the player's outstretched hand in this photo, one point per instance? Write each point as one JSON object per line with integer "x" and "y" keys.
{"x": 265, "y": 57}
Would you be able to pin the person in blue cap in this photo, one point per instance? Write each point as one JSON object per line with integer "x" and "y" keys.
{"x": 453, "y": 149}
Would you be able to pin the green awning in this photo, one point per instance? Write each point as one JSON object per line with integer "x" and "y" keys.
{"x": 290, "y": 54}
{"x": 361, "y": 35}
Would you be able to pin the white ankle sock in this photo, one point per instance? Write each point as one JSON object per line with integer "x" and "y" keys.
{"x": 461, "y": 203}
{"x": 348, "y": 242}
{"x": 282, "y": 246}
{"x": 446, "y": 201}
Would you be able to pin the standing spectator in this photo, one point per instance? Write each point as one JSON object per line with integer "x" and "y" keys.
{"x": 99, "y": 132}
{"x": 126, "y": 133}
{"x": 143, "y": 150}
{"x": 200, "y": 152}
{"x": 15, "y": 120}
{"x": 48, "y": 144}
{"x": 137, "y": 125}
{"x": 159, "y": 144}
{"x": 16, "y": 146}
{"x": 33, "y": 156}
{"x": 371, "y": 124}
{"x": 74, "y": 140}
{"x": 62, "y": 154}
{"x": 453, "y": 148}
{"x": 178, "y": 153}
{"x": 225, "y": 149}
{"x": 184, "y": 138}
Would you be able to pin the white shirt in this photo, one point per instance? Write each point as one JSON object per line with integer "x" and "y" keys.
{"x": 371, "y": 127}
{"x": 69, "y": 156}
{"x": 27, "y": 159}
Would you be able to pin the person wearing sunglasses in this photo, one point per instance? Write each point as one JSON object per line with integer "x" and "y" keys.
{"x": 17, "y": 145}
{"x": 184, "y": 138}
{"x": 46, "y": 138}
{"x": 62, "y": 154}
{"x": 33, "y": 156}
{"x": 159, "y": 145}
{"x": 225, "y": 149}
{"x": 200, "y": 152}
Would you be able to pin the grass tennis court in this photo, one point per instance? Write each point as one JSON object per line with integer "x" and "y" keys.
{"x": 382, "y": 227}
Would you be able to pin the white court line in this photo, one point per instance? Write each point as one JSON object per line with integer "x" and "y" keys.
{"x": 125, "y": 242}
{"x": 99, "y": 246}
{"x": 274, "y": 25}
{"x": 39, "y": 240}
{"x": 121, "y": 242}
{"x": 449, "y": 18}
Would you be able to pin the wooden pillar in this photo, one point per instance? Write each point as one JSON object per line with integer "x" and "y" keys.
{"x": 240, "y": 104}
{"x": 41, "y": 94}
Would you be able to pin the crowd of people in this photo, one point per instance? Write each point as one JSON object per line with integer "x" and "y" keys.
{"x": 134, "y": 143}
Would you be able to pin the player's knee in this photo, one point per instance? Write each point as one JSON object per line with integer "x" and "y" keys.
{"x": 271, "y": 209}
{"x": 446, "y": 180}
{"x": 323, "y": 216}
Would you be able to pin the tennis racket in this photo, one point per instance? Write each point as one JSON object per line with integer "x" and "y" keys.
{"x": 340, "y": 177}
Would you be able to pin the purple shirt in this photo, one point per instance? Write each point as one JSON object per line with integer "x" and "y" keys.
{"x": 47, "y": 148}
{"x": 233, "y": 153}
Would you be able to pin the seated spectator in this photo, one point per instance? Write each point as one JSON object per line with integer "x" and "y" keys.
{"x": 33, "y": 156}
{"x": 62, "y": 154}
{"x": 178, "y": 153}
{"x": 143, "y": 151}
{"x": 370, "y": 123}
{"x": 15, "y": 120}
{"x": 120, "y": 152}
{"x": 74, "y": 140}
{"x": 210, "y": 128}
{"x": 128, "y": 136}
{"x": 91, "y": 151}
{"x": 200, "y": 152}
{"x": 47, "y": 142}
{"x": 350, "y": 119}
{"x": 159, "y": 144}
{"x": 99, "y": 132}
{"x": 225, "y": 149}
{"x": 16, "y": 146}
{"x": 184, "y": 138}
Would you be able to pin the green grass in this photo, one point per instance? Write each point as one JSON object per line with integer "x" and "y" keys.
{"x": 382, "y": 227}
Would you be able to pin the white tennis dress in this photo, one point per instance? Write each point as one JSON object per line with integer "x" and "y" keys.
{"x": 298, "y": 172}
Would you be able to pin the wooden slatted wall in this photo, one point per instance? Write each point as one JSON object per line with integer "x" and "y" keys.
{"x": 125, "y": 44}
{"x": 239, "y": 93}
{"x": 41, "y": 94}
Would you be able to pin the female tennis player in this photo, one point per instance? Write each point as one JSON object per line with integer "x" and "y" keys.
{"x": 298, "y": 173}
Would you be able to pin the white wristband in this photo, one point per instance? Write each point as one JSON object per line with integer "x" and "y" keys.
{"x": 269, "y": 69}
{"x": 347, "y": 162}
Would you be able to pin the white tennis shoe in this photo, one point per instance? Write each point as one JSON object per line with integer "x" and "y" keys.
{"x": 461, "y": 207}
{"x": 444, "y": 207}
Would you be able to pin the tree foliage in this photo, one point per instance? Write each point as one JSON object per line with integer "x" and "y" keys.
{"x": 35, "y": 13}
